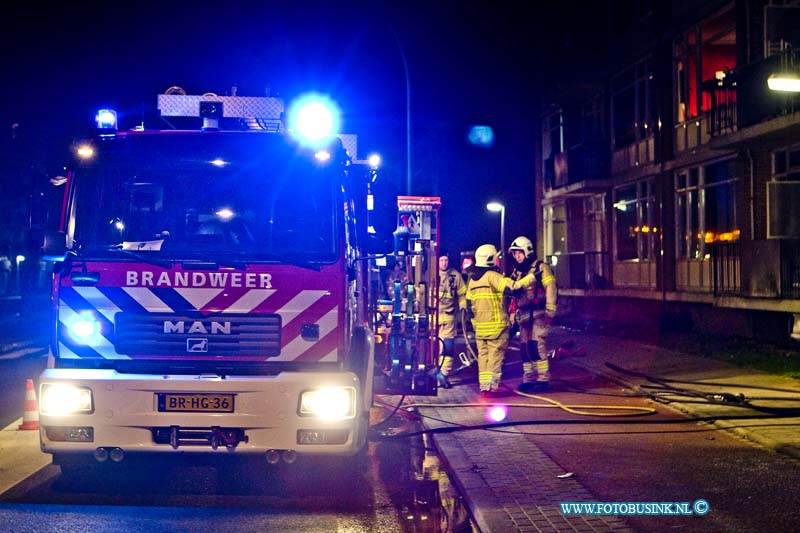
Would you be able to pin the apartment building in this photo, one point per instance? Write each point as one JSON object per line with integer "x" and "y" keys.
{"x": 668, "y": 178}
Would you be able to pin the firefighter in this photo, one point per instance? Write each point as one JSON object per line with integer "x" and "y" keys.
{"x": 486, "y": 289}
{"x": 535, "y": 308}
{"x": 452, "y": 299}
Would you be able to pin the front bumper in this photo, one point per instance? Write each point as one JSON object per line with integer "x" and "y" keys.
{"x": 265, "y": 415}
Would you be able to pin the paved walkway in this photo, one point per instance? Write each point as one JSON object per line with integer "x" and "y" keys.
{"x": 500, "y": 497}
{"x": 24, "y": 325}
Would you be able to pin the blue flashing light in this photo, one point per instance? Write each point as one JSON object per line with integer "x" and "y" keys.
{"x": 311, "y": 117}
{"x": 85, "y": 328}
{"x": 482, "y": 136}
{"x": 106, "y": 119}
{"x": 225, "y": 214}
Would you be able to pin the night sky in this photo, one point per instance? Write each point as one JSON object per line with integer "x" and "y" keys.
{"x": 469, "y": 63}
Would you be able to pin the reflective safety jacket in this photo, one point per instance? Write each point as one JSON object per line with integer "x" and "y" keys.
{"x": 540, "y": 298}
{"x": 485, "y": 290}
{"x": 452, "y": 294}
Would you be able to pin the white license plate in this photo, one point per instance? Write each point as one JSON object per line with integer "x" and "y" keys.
{"x": 195, "y": 403}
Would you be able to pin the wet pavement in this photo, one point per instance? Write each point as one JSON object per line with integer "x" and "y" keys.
{"x": 511, "y": 484}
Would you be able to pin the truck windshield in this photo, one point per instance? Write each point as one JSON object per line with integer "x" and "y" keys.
{"x": 187, "y": 195}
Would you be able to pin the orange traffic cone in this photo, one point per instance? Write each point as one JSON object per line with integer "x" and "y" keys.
{"x": 30, "y": 419}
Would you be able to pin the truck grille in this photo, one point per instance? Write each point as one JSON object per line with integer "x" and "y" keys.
{"x": 216, "y": 335}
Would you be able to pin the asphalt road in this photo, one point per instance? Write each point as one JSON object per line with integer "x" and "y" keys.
{"x": 662, "y": 458}
{"x": 398, "y": 486}
{"x": 13, "y": 375}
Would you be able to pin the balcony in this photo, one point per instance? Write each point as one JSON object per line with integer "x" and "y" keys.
{"x": 582, "y": 270}
{"x": 582, "y": 168}
{"x": 743, "y": 108}
{"x": 770, "y": 269}
{"x": 790, "y": 269}
{"x": 693, "y": 133}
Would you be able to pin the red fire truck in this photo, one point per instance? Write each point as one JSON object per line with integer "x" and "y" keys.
{"x": 210, "y": 294}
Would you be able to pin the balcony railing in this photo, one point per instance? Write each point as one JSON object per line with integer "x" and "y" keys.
{"x": 582, "y": 270}
{"x": 586, "y": 161}
{"x": 742, "y": 98}
{"x": 725, "y": 267}
{"x": 723, "y": 116}
{"x": 790, "y": 269}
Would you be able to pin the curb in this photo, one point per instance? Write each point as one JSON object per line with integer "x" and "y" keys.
{"x": 18, "y": 350}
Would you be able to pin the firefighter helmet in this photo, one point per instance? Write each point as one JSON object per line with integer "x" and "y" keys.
{"x": 524, "y": 245}
{"x": 485, "y": 256}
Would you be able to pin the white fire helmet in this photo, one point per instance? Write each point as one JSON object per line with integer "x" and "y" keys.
{"x": 523, "y": 244}
{"x": 486, "y": 256}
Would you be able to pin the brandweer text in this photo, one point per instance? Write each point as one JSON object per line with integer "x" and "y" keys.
{"x": 250, "y": 280}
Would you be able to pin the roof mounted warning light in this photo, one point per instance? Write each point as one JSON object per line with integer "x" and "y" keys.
{"x": 106, "y": 120}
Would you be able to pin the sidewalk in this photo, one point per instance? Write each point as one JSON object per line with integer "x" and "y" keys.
{"x": 497, "y": 489}
{"x": 24, "y": 325}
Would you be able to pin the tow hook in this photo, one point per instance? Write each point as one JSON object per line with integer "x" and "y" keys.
{"x": 214, "y": 436}
{"x": 229, "y": 438}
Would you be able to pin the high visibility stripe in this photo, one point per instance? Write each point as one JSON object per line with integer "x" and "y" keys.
{"x": 446, "y": 318}
{"x": 483, "y": 296}
{"x": 542, "y": 365}
{"x": 486, "y": 329}
{"x": 485, "y": 378}
{"x": 550, "y": 307}
{"x": 547, "y": 280}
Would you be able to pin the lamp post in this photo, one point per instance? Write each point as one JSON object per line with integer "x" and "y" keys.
{"x": 408, "y": 109}
{"x": 19, "y": 259}
{"x": 495, "y": 207}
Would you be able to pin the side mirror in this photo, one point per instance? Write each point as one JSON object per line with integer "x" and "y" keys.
{"x": 54, "y": 246}
{"x": 377, "y": 244}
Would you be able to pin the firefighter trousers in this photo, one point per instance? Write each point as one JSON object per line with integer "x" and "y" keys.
{"x": 491, "y": 353}
{"x": 447, "y": 334}
{"x": 533, "y": 351}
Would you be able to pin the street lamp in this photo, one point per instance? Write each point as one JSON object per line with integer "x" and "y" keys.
{"x": 20, "y": 259}
{"x": 374, "y": 161}
{"x": 495, "y": 207}
{"x": 787, "y": 80}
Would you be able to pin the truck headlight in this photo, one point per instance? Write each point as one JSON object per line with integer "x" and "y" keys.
{"x": 60, "y": 399}
{"x": 331, "y": 403}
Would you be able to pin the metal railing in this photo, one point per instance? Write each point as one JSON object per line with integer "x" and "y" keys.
{"x": 790, "y": 269}
{"x": 723, "y": 116}
{"x": 726, "y": 268}
{"x": 742, "y": 98}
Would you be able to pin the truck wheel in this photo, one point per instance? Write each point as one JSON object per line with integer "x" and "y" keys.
{"x": 361, "y": 362}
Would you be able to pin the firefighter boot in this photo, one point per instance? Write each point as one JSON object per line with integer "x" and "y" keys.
{"x": 528, "y": 373}
{"x": 445, "y": 364}
{"x": 542, "y": 365}
{"x": 442, "y": 381}
{"x": 537, "y": 379}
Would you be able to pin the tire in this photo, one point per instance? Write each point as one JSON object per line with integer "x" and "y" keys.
{"x": 361, "y": 361}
